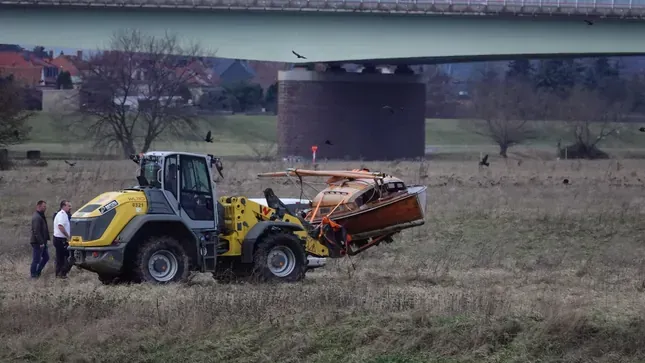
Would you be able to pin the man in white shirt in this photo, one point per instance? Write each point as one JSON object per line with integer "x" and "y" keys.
{"x": 61, "y": 238}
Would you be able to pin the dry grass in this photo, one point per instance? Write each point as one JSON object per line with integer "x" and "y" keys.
{"x": 512, "y": 265}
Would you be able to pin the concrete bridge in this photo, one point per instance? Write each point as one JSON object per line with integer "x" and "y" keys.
{"x": 346, "y": 109}
{"x": 395, "y": 31}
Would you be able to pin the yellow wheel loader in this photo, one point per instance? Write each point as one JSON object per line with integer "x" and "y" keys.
{"x": 172, "y": 223}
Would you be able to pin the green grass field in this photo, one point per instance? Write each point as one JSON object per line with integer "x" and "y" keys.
{"x": 233, "y": 136}
{"x": 252, "y": 136}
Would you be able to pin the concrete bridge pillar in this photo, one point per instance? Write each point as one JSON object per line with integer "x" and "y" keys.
{"x": 363, "y": 116}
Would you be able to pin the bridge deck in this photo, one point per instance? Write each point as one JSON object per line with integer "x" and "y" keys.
{"x": 625, "y": 9}
{"x": 333, "y": 35}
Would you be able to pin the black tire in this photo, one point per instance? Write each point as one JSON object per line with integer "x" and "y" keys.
{"x": 285, "y": 242}
{"x": 169, "y": 249}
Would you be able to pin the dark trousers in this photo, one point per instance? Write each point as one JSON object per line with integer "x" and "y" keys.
{"x": 39, "y": 258}
{"x": 61, "y": 256}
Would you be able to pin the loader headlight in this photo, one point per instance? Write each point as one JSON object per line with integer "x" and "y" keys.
{"x": 108, "y": 207}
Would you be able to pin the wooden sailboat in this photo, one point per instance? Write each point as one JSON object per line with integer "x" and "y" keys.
{"x": 371, "y": 206}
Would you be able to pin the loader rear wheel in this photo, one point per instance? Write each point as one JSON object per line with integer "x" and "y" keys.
{"x": 279, "y": 257}
{"x": 161, "y": 260}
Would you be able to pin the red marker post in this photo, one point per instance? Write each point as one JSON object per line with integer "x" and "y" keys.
{"x": 313, "y": 151}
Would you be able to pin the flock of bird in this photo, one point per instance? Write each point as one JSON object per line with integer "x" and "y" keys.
{"x": 483, "y": 162}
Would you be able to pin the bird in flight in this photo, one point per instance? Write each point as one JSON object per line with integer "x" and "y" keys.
{"x": 298, "y": 55}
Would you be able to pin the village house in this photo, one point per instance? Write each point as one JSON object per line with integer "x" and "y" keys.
{"x": 72, "y": 64}
{"x": 28, "y": 69}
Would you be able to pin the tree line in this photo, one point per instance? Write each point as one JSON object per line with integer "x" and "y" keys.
{"x": 592, "y": 98}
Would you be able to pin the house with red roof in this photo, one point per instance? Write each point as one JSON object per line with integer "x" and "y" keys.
{"x": 28, "y": 69}
{"x": 199, "y": 75}
{"x": 199, "y": 78}
{"x": 72, "y": 64}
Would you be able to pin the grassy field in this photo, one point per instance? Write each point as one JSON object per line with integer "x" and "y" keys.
{"x": 511, "y": 266}
{"x": 254, "y": 136}
{"x": 233, "y": 136}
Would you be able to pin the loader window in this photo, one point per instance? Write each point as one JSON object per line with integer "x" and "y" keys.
{"x": 170, "y": 177}
{"x": 196, "y": 195}
{"x": 149, "y": 169}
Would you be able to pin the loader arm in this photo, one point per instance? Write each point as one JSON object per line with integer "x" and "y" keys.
{"x": 313, "y": 246}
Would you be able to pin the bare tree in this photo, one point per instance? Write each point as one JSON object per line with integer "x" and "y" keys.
{"x": 13, "y": 115}
{"x": 506, "y": 107}
{"x": 591, "y": 119}
{"x": 135, "y": 92}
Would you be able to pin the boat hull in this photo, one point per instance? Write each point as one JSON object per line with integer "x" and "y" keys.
{"x": 389, "y": 217}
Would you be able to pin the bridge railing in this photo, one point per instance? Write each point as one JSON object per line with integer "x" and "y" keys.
{"x": 606, "y": 8}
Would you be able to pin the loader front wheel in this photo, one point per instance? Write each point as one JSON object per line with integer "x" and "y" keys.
{"x": 161, "y": 260}
{"x": 279, "y": 257}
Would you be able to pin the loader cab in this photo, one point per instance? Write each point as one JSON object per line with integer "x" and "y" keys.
{"x": 184, "y": 182}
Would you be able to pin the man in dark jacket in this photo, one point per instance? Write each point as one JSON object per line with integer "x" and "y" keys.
{"x": 39, "y": 239}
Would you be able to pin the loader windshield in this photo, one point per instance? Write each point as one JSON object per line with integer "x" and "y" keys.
{"x": 149, "y": 172}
